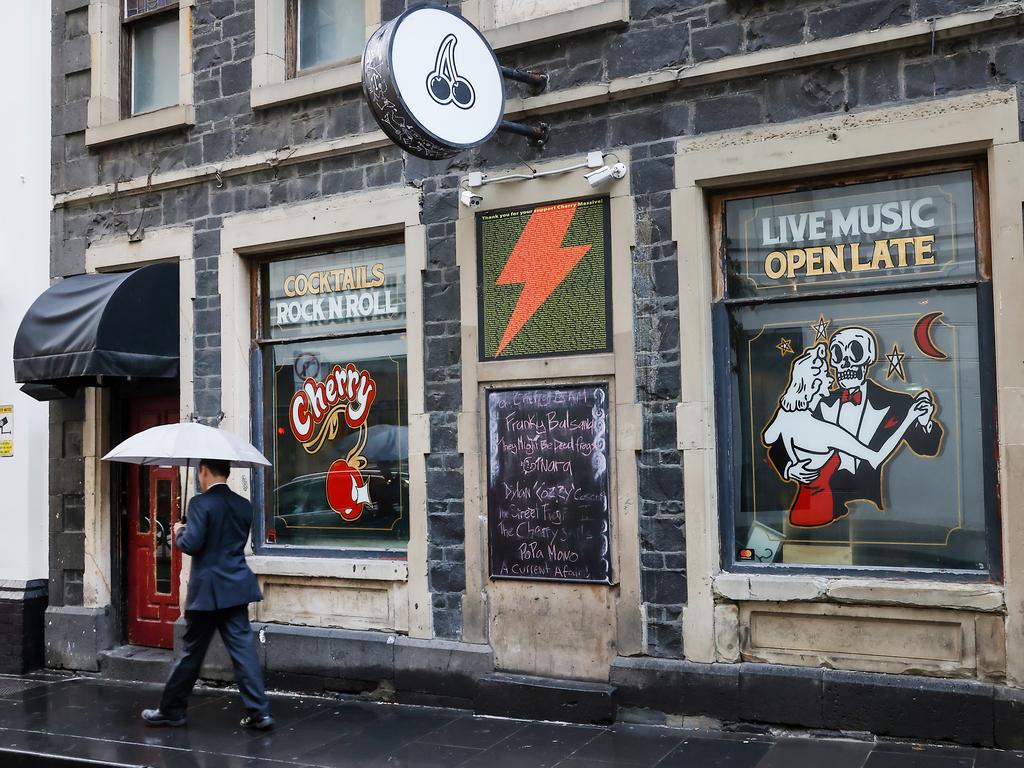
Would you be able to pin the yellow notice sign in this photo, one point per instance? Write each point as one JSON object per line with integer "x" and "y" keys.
{"x": 6, "y": 430}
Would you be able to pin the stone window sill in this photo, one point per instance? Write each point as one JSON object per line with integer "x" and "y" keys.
{"x": 363, "y": 569}
{"x": 315, "y": 83}
{"x": 166, "y": 119}
{"x": 845, "y": 589}
{"x": 605, "y": 14}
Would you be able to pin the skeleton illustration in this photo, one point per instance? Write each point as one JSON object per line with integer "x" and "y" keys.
{"x": 852, "y": 352}
{"x": 835, "y": 444}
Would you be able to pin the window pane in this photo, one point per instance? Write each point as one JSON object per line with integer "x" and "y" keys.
{"x": 340, "y": 474}
{"x": 877, "y": 401}
{"x": 348, "y": 291}
{"x": 873, "y": 234}
{"x": 134, "y": 8}
{"x": 155, "y": 63}
{"x": 330, "y": 30}
{"x": 162, "y": 555}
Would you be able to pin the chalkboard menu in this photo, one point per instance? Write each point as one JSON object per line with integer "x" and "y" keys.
{"x": 547, "y": 484}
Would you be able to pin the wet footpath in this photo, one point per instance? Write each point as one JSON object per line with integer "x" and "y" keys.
{"x": 63, "y": 722}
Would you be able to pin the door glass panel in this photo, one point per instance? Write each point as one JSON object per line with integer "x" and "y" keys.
{"x": 144, "y": 511}
{"x": 162, "y": 554}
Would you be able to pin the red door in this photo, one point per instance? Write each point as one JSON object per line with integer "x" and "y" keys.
{"x": 154, "y": 506}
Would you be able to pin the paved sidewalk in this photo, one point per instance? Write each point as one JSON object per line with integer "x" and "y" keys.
{"x": 98, "y": 721}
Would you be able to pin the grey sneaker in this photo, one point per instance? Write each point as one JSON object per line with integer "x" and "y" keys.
{"x": 259, "y": 722}
{"x": 157, "y": 718}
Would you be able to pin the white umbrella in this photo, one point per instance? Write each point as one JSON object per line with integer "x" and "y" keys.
{"x": 178, "y": 445}
{"x": 185, "y": 445}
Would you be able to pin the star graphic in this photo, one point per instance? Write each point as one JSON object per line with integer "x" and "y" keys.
{"x": 820, "y": 329}
{"x": 895, "y": 359}
{"x": 785, "y": 347}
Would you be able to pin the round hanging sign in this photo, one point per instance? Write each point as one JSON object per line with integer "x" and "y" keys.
{"x": 433, "y": 83}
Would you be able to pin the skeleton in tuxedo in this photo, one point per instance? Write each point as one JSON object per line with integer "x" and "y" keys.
{"x": 870, "y": 413}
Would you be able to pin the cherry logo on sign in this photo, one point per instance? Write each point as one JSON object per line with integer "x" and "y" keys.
{"x": 347, "y": 493}
{"x": 444, "y": 83}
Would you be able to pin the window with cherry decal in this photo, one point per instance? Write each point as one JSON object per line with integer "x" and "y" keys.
{"x": 333, "y": 353}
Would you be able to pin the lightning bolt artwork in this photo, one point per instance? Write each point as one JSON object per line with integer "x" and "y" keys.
{"x": 540, "y": 264}
{"x": 544, "y": 280}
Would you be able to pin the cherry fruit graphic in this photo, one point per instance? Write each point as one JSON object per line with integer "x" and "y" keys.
{"x": 440, "y": 89}
{"x": 462, "y": 93}
{"x": 346, "y": 492}
{"x": 444, "y": 83}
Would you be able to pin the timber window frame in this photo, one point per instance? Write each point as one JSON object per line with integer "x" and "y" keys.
{"x": 276, "y": 78}
{"x": 958, "y": 127}
{"x": 109, "y": 110}
{"x": 132, "y": 23}
{"x": 739, "y": 295}
{"x": 361, "y": 338}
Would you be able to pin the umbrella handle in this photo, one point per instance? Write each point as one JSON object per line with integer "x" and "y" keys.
{"x": 184, "y": 509}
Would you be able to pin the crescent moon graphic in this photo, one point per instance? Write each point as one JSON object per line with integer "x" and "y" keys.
{"x": 923, "y": 336}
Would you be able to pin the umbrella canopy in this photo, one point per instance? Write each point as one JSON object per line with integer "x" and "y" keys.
{"x": 185, "y": 444}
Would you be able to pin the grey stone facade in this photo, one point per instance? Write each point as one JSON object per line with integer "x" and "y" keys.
{"x": 662, "y": 34}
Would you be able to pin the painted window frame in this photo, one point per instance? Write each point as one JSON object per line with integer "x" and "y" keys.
{"x": 275, "y": 76}
{"x": 108, "y": 120}
{"x": 607, "y": 13}
{"x": 980, "y": 284}
{"x": 982, "y": 123}
{"x": 338, "y": 219}
{"x": 304, "y": 226}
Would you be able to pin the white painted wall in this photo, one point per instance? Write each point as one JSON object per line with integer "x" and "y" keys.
{"x": 24, "y": 274}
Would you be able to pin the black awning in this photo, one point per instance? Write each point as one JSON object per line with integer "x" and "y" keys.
{"x": 109, "y": 325}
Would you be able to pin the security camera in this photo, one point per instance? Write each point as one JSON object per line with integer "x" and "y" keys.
{"x": 605, "y": 173}
{"x": 470, "y": 199}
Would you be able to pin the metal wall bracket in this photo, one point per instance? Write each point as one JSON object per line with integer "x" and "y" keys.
{"x": 538, "y": 81}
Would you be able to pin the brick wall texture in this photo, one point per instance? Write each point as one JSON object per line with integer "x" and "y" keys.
{"x": 661, "y": 34}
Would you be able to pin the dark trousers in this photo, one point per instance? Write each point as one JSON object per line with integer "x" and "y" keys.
{"x": 233, "y": 625}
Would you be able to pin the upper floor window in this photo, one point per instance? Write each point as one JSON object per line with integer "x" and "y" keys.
{"x": 150, "y": 69}
{"x": 515, "y": 23}
{"x": 327, "y": 32}
{"x": 305, "y": 48}
{"x": 508, "y": 12}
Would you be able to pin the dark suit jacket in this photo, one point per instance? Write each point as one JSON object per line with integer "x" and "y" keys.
{"x": 218, "y": 524}
{"x": 866, "y": 483}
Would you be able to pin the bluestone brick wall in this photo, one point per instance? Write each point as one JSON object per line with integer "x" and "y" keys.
{"x": 662, "y": 34}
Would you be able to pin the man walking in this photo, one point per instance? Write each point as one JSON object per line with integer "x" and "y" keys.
{"x": 220, "y": 588}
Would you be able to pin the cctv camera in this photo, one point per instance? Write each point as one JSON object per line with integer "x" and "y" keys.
{"x": 470, "y": 200}
{"x": 605, "y": 174}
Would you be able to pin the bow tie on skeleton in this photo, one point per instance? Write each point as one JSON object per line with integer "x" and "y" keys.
{"x": 852, "y": 352}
